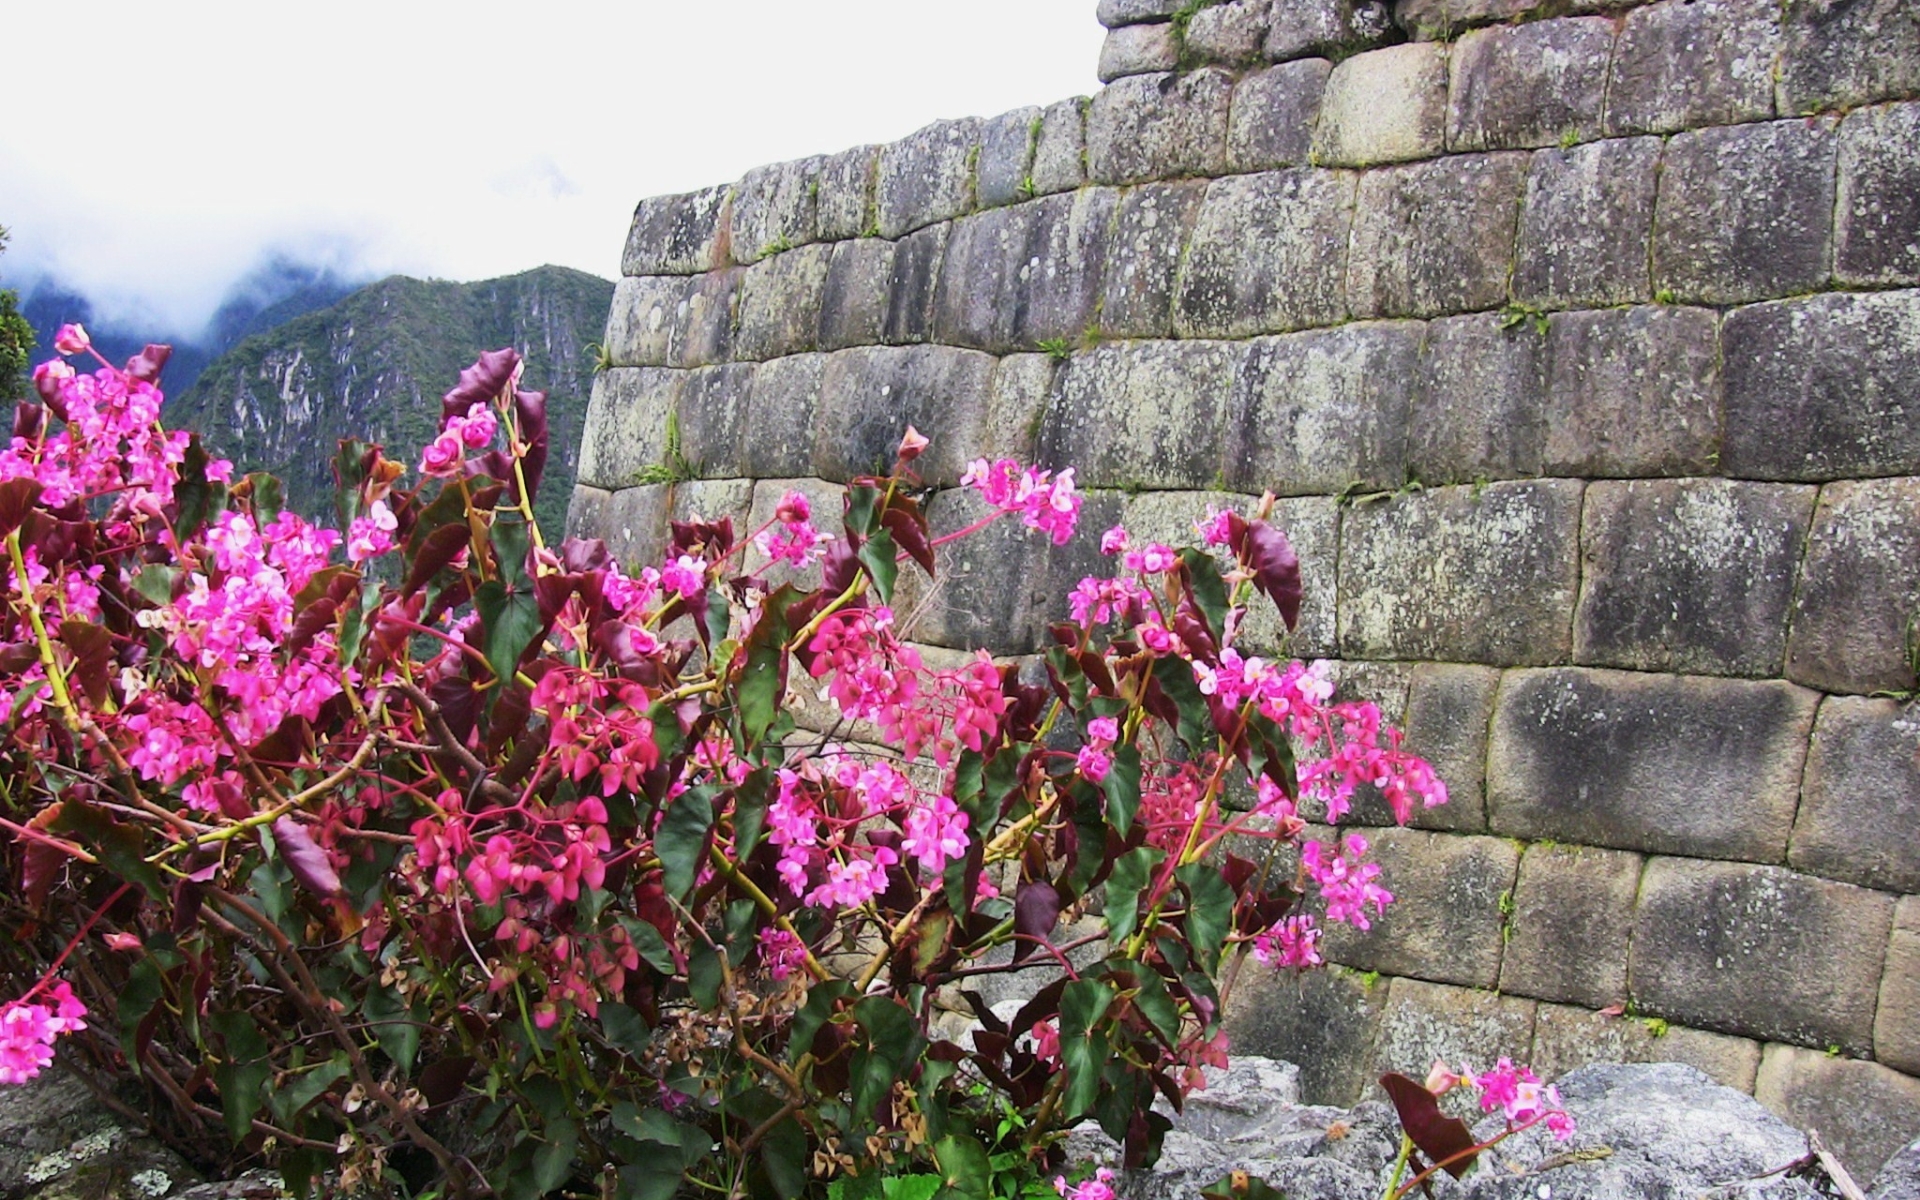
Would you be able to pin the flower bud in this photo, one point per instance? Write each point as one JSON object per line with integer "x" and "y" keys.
{"x": 72, "y": 339}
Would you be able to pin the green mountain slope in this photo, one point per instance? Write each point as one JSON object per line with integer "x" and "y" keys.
{"x": 374, "y": 366}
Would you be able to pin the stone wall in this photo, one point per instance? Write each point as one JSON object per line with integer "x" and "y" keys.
{"x": 1581, "y": 340}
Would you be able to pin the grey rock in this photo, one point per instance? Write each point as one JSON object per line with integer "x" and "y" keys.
{"x": 1233, "y": 33}
{"x": 1691, "y": 575}
{"x": 1006, "y": 158}
{"x": 1862, "y": 1111}
{"x": 844, "y": 207}
{"x": 868, "y": 397}
{"x": 1142, "y": 414}
{"x": 636, "y": 525}
{"x": 1571, "y": 921}
{"x": 1016, "y": 277}
{"x": 1633, "y": 391}
{"x": 703, "y": 334}
{"x": 779, "y": 426}
{"x": 1529, "y": 85}
{"x": 853, "y": 300}
{"x": 1060, "y": 152}
{"x": 1461, "y": 574}
{"x": 1449, "y": 707}
{"x": 776, "y": 208}
{"x": 1425, "y": 1021}
{"x": 1899, "y": 1179}
{"x": 626, "y": 424}
{"x": 1746, "y": 212}
{"x": 1240, "y": 1099}
{"x": 1273, "y": 114}
{"x": 1325, "y": 410}
{"x": 1435, "y": 238}
{"x": 1684, "y": 64}
{"x": 1426, "y": 20}
{"x": 780, "y": 303}
{"x": 587, "y": 512}
{"x": 912, "y": 285}
{"x": 1335, "y": 28}
{"x": 679, "y": 235}
{"x": 1877, "y": 241}
{"x": 1587, "y": 224}
{"x": 1482, "y": 410}
{"x": 1004, "y": 423}
{"x": 1115, "y": 13}
{"x": 1138, "y": 50}
{"x": 1841, "y": 53}
{"x": 1267, "y": 255}
{"x": 711, "y": 418}
{"x": 1760, "y": 951}
{"x": 1852, "y": 610}
{"x": 1565, "y": 1038}
{"x": 1150, "y": 233}
{"x": 643, "y": 319}
{"x": 1384, "y": 106}
{"x": 1861, "y": 799}
{"x": 1314, "y": 1018}
{"x": 1159, "y": 127}
{"x": 1445, "y": 921}
{"x": 1621, "y": 759}
{"x": 828, "y": 501}
{"x": 926, "y": 177}
{"x": 1896, "y": 1026}
{"x": 1821, "y": 388}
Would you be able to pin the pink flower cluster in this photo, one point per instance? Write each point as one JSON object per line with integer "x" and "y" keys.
{"x": 1045, "y": 501}
{"x": 1093, "y": 760}
{"x": 791, "y": 538}
{"x": 447, "y": 453}
{"x": 1346, "y": 884}
{"x": 1291, "y": 942}
{"x": 27, "y": 1031}
{"x": 1516, "y": 1092}
{"x": 1099, "y": 1187}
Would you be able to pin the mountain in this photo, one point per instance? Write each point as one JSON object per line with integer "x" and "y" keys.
{"x": 374, "y": 366}
{"x": 274, "y": 293}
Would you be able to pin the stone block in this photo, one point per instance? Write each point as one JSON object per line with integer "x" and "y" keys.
{"x": 679, "y": 235}
{"x": 776, "y": 208}
{"x": 1270, "y": 123}
{"x": 1586, "y": 225}
{"x": 926, "y": 177}
{"x": 778, "y": 433}
{"x": 1426, "y": 20}
{"x": 912, "y": 284}
{"x": 625, "y": 429}
{"x": 853, "y": 302}
{"x": 1842, "y": 53}
{"x": 1692, "y": 575}
{"x": 1149, "y": 237}
{"x": 636, "y": 525}
{"x": 1435, "y": 238}
{"x": 1233, "y": 33}
{"x": 1060, "y": 151}
{"x": 1823, "y": 387}
{"x": 1142, "y": 414}
{"x": 1572, "y": 916}
{"x": 1310, "y": 523}
{"x": 712, "y": 419}
{"x": 1444, "y": 923}
{"x": 1317, "y": 1019}
{"x": 1860, "y": 803}
{"x": 1862, "y": 1111}
{"x": 1686, "y": 64}
{"x": 1896, "y": 1027}
{"x": 1425, "y": 1021}
{"x": 1853, "y": 622}
{"x": 1115, "y": 13}
{"x": 1324, "y": 410}
{"x": 1138, "y": 50}
{"x": 1633, "y": 391}
{"x": 1529, "y": 85}
{"x": 1482, "y": 412}
{"x": 1877, "y": 240}
{"x": 641, "y": 323}
{"x": 1384, "y": 106}
{"x": 1659, "y": 763}
{"x": 1565, "y": 1038}
{"x": 1746, "y": 212}
{"x": 1326, "y": 28}
{"x": 1006, "y": 158}
{"x": 587, "y": 512}
{"x": 1462, "y": 574}
{"x": 844, "y": 208}
{"x": 1016, "y": 277}
{"x": 703, "y": 333}
{"x": 869, "y": 396}
{"x": 1159, "y": 127}
{"x": 715, "y": 500}
{"x": 1002, "y": 587}
{"x": 1759, "y": 951}
{"x": 1268, "y": 255}
{"x": 780, "y": 303}
{"x": 1449, "y": 707}
{"x": 1006, "y": 425}
{"x": 828, "y": 502}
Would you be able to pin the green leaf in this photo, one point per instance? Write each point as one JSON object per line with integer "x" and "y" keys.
{"x": 862, "y": 511}
{"x": 624, "y": 1027}
{"x": 393, "y": 1025}
{"x": 303, "y": 1089}
{"x": 1209, "y": 912}
{"x": 682, "y": 840}
{"x": 1208, "y": 590}
{"x": 1131, "y": 873}
{"x": 880, "y": 557}
{"x": 553, "y": 1161}
{"x": 1122, "y": 786}
{"x": 965, "y": 1173}
{"x": 511, "y": 621}
{"x": 1156, "y": 1004}
{"x": 1175, "y": 677}
{"x": 761, "y": 675}
{"x": 120, "y": 847}
{"x": 651, "y": 945}
{"x": 817, "y": 1010}
{"x": 511, "y": 539}
{"x": 704, "y": 976}
{"x": 717, "y": 617}
{"x": 1084, "y": 1058}
{"x": 243, "y": 1071}
{"x": 155, "y": 582}
{"x": 269, "y": 496}
{"x": 912, "y": 1187}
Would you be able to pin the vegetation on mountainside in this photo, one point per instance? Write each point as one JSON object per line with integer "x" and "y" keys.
{"x": 16, "y": 340}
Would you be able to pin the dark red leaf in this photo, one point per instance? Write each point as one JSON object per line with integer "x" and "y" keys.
{"x": 585, "y": 554}
{"x": 1036, "y": 910}
{"x": 490, "y": 375}
{"x": 442, "y": 1080}
{"x": 17, "y": 498}
{"x": 1439, "y": 1136}
{"x": 309, "y": 863}
{"x": 147, "y": 365}
{"x": 29, "y": 421}
{"x": 92, "y": 648}
{"x": 43, "y": 862}
{"x": 319, "y": 604}
{"x": 1276, "y": 568}
{"x": 908, "y": 525}
{"x": 435, "y": 551}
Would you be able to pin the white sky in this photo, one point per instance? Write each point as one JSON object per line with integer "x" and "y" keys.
{"x": 454, "y": 140}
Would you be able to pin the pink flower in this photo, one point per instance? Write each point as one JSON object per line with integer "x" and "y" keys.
{"x": 72, "y": 339}
{"x": 911, "y": 444}
{"x": 1217, "y": 529}
{"x": 443, "y": 455}
{"x": 477, "y": 428}
{"x": 936, "y": 834}
{"x": 1100, "y": 1187}
{"x": 372, "y": 535}
{"x": 685, "y": 575}
{"x": 1103, "y": 731}
{"x": 781, "y": 952}
{"x": 1094, "y": 764}
{"x": 794, "y": 508}
{"x": 1114, "y": 541}
{"x": 1294, "y": 942}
